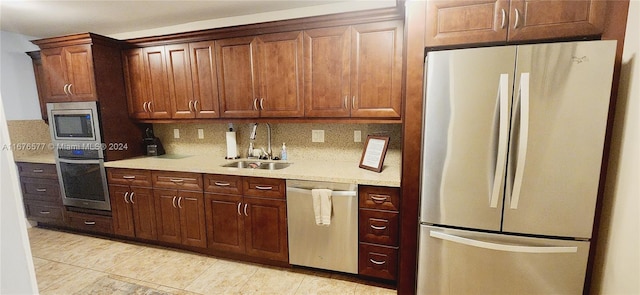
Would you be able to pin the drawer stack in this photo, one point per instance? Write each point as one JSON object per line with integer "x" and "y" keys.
{"x": 41, "y": 193}
{"x": 378, "y": 231}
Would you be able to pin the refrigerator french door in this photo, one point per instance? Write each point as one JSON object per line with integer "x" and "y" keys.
{"x": 512, "y": 151}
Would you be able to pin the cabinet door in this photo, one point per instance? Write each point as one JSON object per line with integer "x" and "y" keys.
{"x": 205, "y": 79}
{"x": 179, "y": 79}
{"x": 192, "y": 221}
{"x": 225, "y": 223}
{"x": 376, "y": 71}
{"x": 167, "y": 216}
{"x": 237, "y": 77}
{"x": 80, "y": 74}
{"x": 266, "y": 228}
{"x": 453, "y": 22}
{"x": 156, "y": 82}
{"x": 536, "y": 19}
{"x": 55, "y": 75}
{"x": 144, "y": 215}
{"x": 123, "y": 223}
{"x": 134, "y": 78}
{"x": 327, "y": 68}
{"x": 280, "y": 64}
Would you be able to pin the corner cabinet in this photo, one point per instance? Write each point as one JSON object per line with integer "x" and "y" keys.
{"x": 354, "y": 71}
{"x": 247, "y": 215}
{"x": 261, "y": 76}
{"x": 450, "y": 22}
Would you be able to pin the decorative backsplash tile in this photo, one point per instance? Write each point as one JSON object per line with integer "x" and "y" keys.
{"x": 338, "y": 145}
{"x": 29, "y": 137}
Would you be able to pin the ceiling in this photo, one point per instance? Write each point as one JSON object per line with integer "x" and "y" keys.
{"x": 49, "y": 18}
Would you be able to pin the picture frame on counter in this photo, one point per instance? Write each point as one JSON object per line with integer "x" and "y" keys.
{"x": 375, "y": 149}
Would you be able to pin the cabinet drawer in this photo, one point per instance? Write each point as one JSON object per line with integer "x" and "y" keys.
{"x": 177, "y": 180}
{"x": 43, "y": 212}
{"x": 132, "y": 177}
{"x": 379, "y": 197}
{"x": 38, "y": 170}
{"x": 264, "y": 187}
{"x": 379, "y": 227}
{"x": 223, "y": 184}
{"x": 89, "y": 222}
{"x": 378, "y": 261}
{"x": 40, "y": 189}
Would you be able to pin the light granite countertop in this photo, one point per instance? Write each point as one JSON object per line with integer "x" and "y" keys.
{"x": 316, "y": 170}
{"x": 333, "y": 171}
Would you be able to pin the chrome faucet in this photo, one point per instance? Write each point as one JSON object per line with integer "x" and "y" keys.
{"x": 253, "y": 137}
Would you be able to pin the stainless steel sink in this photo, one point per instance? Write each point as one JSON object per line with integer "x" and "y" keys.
{"x": 257, "y": 165}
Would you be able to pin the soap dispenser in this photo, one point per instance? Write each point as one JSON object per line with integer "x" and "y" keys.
{"x": 283, "y": 152}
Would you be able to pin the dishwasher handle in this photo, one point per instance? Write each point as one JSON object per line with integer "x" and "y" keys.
{"x": 334, "y": 193}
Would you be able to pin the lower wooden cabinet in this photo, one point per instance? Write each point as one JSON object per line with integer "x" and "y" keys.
{"x": 378, "y": 231}
{"x": 41, "y": 193}
{"x": 90, "y": 222}
{"x": 133, "y": 211}
{"x": 254, "y": 225}
{"x": 180, "y": 217}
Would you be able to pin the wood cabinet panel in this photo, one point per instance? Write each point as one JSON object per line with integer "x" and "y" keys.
{"x": 90, "y": 222}
{"x": 205, "y": 80}
{"x": 55, "y": 75}
{"x": 327, "y": 69}
{"x": 266, "y": 228}
{"x": 177, "y": 180}
{"x": 143, "y": 209}
{"x": 225, "y": 223}
{"x": 378, "y": 227}
{"x": 237, "y": 78}
{"x": 156, "y": 82}
{"x": 79, "y": 62}
{"x": 167, "y": 216}
{"x": 264, "y": 187}
{"x": 376, "y": 76}
{"x": 121, "y": 212}
{"x": 135, "y": 82}
{"x": 192, "y": 219}
{"x": 280, "y": 65}
{"x": 545, "y": 19}
{"x": 378, "y": 261}
{"x": 180, "y": 81}
{"x": 223, "y": 184}
{"x": 378, "y": 197}
{"x": 37, "y": 170}
{"x": 129, "y": 177}
{"x": 38, "y": 71}
{"x": 40, "y": 189}
{"x": 44, "y": 212}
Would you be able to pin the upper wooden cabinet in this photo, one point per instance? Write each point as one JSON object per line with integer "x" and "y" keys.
{"x": 261, "y": 76}
{"x": 147, "y": 87}
{"x": 450, "y": 22}
{"x": 38, "y": 72}
{"x": 354, "y": 71}
{"x": 68, "y": 73}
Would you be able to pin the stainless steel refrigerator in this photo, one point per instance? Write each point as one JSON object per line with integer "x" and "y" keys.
{"x": 512, "y": 151}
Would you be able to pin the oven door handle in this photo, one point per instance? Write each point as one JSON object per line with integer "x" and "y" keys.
{"x": 79, "y": 161}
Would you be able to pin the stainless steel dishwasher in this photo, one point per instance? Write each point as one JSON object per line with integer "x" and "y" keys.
{"x": 333, "y": 247}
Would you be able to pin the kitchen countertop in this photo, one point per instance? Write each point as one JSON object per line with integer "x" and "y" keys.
{"x": 333, "y": 171}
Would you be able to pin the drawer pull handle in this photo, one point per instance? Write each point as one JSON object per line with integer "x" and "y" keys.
{"x": 245, "y": 209}
{"x": 131, "y": 197}
{"x": 129, "y": 177}
{"x": 180, "y": 204}
{"x": 222, "y": 183}
{"x": 126, "y": 194}
{"x": 266, "y": 188}
{"x": 38, "y": 170}
{"x": 174, "y": 202}
{"x": 239, "y": 209}
{"x": 41, "y": 190}
{"x": 379, "y": 199}
{"x": 90, "y": 222}
{"x": 378, "y": 227}
{"x": 45, "y": 212}
{"x": 177, "y": 180}
{"x": 377, "y": 262}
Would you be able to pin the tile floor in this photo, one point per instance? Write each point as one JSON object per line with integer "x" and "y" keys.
{"x": 68, "y": 263}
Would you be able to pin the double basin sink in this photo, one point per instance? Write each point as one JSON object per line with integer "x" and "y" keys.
{"x": 257, "y": 165}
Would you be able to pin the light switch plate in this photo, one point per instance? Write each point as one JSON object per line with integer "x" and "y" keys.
{"x": 176, "y": 133}
{"x": 317, "y": 135}
{"x": 200, "y": 133}
{"x": 357, "y": 136}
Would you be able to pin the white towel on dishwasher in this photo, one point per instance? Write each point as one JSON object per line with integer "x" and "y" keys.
{"x": 322, "y": 206}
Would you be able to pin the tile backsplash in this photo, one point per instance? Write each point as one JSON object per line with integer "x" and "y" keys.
{"x": 338, "y": 139}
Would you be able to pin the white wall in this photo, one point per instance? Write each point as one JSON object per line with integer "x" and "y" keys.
{"x": 617, "y": 265}
{"x": 17, "y": 81}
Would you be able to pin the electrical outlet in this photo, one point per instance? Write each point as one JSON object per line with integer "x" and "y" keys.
{"x": 317, "y": 135}
{"x": 200, "y": 133}
{"x": 176, "y": 133}
{"x": 357, "y": 136}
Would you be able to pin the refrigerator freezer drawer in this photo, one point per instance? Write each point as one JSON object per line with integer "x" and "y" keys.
{"x": 468, "y": 262}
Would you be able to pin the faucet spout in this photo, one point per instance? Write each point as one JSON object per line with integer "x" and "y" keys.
{"x": 253, "y": 137}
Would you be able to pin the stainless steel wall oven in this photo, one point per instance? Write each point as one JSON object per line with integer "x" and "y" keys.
{"x": 79, "y": 152}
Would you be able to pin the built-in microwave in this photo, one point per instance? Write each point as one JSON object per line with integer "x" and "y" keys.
{"x": 74, "y": 121}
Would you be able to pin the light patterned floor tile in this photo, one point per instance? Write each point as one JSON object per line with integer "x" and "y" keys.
{"x": 273, "y": 281}
{"x": 223, "y": 277}
{"x": 73, "y": 283}
{"x": 323, "y": 285}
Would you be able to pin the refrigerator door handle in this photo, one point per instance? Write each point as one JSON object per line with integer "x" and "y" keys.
{"x": 503, "y": 134}
{"x": 523, "y": 140}
{"x": 502, "y": 247}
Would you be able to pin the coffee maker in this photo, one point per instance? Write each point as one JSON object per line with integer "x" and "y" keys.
{"x": 152, "y": 144}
